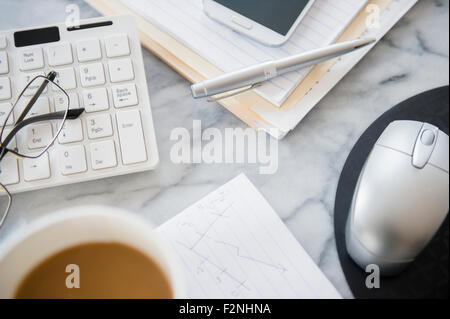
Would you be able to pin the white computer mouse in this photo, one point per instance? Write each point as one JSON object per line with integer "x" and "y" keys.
{"x": 401, "y": 198}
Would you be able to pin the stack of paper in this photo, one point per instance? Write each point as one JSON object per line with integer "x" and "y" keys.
{"x": 228, "y": 50}
{"x": 287, "y": 99}
{"x": 288, "y": 119}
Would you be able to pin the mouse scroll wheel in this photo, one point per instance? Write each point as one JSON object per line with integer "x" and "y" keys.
{"x": 424, "y": 147}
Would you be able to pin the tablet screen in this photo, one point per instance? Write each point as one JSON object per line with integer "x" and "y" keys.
{"x": 277, "y": 15}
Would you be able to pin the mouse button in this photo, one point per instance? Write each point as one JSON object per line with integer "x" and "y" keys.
{"x": 424, "y": 146}
{"x": 439, "y": 157}
{"x": 376, "y": 190}
{"x": 428, "y": 137}
{"x": 401, "y": 136}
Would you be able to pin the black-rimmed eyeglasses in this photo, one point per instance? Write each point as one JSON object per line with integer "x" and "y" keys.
{"x": 35, "y": 127}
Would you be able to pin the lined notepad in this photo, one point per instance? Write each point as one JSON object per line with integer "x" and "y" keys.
{"x": 232, "y": 244}
{"x": 229, "y": 51}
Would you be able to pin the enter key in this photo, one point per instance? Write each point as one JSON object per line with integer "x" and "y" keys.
{"x": 131, "y": 137}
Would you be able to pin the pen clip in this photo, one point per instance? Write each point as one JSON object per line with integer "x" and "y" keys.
{"x": 228, "y": 94}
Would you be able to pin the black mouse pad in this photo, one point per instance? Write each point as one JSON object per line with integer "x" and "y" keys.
{"x": 428, "y": 275}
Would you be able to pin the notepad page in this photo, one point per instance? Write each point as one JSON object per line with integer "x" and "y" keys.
{"x": 229, "y": 51}
{"x": 232, "y": 244}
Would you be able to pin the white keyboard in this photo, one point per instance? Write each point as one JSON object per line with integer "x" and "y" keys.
{"x": 100, "y": 66}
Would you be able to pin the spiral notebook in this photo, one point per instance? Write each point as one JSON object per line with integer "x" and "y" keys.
{"x": 174, "y": 30}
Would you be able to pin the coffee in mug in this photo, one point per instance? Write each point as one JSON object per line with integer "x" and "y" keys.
{"x": 89, "y": 252}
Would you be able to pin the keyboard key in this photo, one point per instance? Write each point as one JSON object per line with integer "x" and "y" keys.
{"x": 99, "y": 126}
{"x": 95, "y": 100}
{"x": 71, "y": 132}
{"x": 131, "y": 137}
{"x": 124, "y": 95}
{"x": 31, "y": 59}
{"x": 72, "y": 160}
{"x": 121, "y": 70}
{"x": 41, "y": 106}
{"x": 4, "y": 68}
{"x": 9, "y": 170}
{"x": 103, "y": 154}
{"x": 26, "y": 78}
{"x": 65, "y": 78}
{"x": 36, "y": 168}
{"x": 89, "y": 50}
{"x": 60, "y": 54}
{"x": 5, "y": 89}
{"x": 60, "y": 101}
{"x": 4, "y": 110}
{"x": 39, "y": 135}
{"x": 12, "y": 144}
{"x": 3, "y": 42}
{"x": 92, "y": 74}
{"x": 117, "y": 45}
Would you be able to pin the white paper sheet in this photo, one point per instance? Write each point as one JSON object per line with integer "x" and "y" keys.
{"x": 228, "y": 50}
{"x": 232, "y": 244}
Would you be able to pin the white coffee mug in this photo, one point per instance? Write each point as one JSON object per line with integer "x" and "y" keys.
{"x": 57, "y": 231}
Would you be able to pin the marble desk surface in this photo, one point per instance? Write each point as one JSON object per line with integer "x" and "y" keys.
{"x": 413, "y": 57}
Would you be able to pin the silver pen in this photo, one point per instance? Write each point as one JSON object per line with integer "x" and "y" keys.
{"x": 255, "y": 75}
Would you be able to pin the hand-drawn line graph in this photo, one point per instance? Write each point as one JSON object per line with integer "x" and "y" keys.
{"x": 232, "y": 244}
{"x": 222, "y": 270}
{"x": 219, "y": 209}
{"x": 238, "y": 253}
